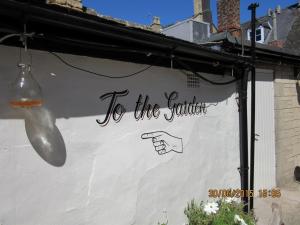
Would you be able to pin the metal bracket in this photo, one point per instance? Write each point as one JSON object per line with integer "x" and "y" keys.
{"x": 240, "y": 170}
{"x": 237, "y": 99}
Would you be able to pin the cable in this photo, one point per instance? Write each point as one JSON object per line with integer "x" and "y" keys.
{"x": 25, "y": 35}
{"x": 187, "y": 67}
{"x": 136, "y": 73}
{"x": 99, "y": 74}
{"x": 9, "y": 36}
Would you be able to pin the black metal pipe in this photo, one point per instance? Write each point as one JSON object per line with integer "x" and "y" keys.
{"x": 252, "y": 7}
{"x": 244, "y": 165}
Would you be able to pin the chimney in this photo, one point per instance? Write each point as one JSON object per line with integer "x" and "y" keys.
{"x": 74, "y": 4}
{"x": 202, "y": 11}
{"x": 229, "y": 16}
{"x": 273, "y": 15}
{"x": 156, "y": 26}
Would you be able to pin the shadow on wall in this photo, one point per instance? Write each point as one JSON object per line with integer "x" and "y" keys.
{"x": 43, "y": 134}
{"x": 70, "y": 93}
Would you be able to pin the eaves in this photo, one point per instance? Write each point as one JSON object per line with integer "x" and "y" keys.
{"x": 64, "y": 30}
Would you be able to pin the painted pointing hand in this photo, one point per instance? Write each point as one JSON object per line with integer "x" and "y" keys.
{"x": 163, "y": 142}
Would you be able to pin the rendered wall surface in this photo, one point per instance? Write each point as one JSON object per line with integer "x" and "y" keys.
{"x": 265, "y": 161}
{"x": 111, "y": 175}
{"x": 287, "y": 117}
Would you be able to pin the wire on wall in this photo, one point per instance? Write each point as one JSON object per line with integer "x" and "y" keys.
{"x": 99, "y": 74}
{"x": 185, "y": 66}
{"x": 182, "y": 64}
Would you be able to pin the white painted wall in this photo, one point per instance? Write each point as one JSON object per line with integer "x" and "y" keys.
{"x": 264, "y": 168}
{"x": 182, "y": 30}
{"x": 112, "y": 176}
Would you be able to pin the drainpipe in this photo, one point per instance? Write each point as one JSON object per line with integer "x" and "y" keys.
{"x": 244, "y": 137}
{"x": 252, "y": 7}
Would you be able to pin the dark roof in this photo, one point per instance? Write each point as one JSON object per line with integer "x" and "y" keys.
{"x": 285, "y": 20}
{"x": 288, "y": 30}
{"x": 71, "y": 31}
{"x": 64, "y": 30}
{"x": 293, "y": 39}
{"x": 265, "y": 53}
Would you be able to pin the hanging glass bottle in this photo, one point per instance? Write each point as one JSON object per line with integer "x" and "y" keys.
{"x": 25, "y": 90}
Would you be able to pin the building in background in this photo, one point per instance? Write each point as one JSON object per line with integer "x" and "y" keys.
{"x": 277, "y": 34}
{"x": 195, "y": 29}
{"x": 279, "y": 28}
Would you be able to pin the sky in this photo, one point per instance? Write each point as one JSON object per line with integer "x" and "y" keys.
{"x": 170, "y": 11}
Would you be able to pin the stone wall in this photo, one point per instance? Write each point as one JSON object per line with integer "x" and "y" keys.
{"x": 75, "y": 4}
{"x": 202, "y": 11}
{"x": 287, "y": 126}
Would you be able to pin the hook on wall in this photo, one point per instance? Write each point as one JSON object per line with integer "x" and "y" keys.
{"x": 172, "y": 61}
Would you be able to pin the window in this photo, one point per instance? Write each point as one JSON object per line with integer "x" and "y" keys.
{"x": 259, "y": 34}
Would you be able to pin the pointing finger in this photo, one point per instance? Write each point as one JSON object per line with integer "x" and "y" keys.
{"x": 153, "y": 134}
{"x": 150, "y": 135}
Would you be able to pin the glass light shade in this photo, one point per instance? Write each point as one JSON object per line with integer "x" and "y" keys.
{"x": 25, "y": 90}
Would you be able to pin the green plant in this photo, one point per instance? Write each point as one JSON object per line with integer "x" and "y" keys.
{"x": 222, "y": 212}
